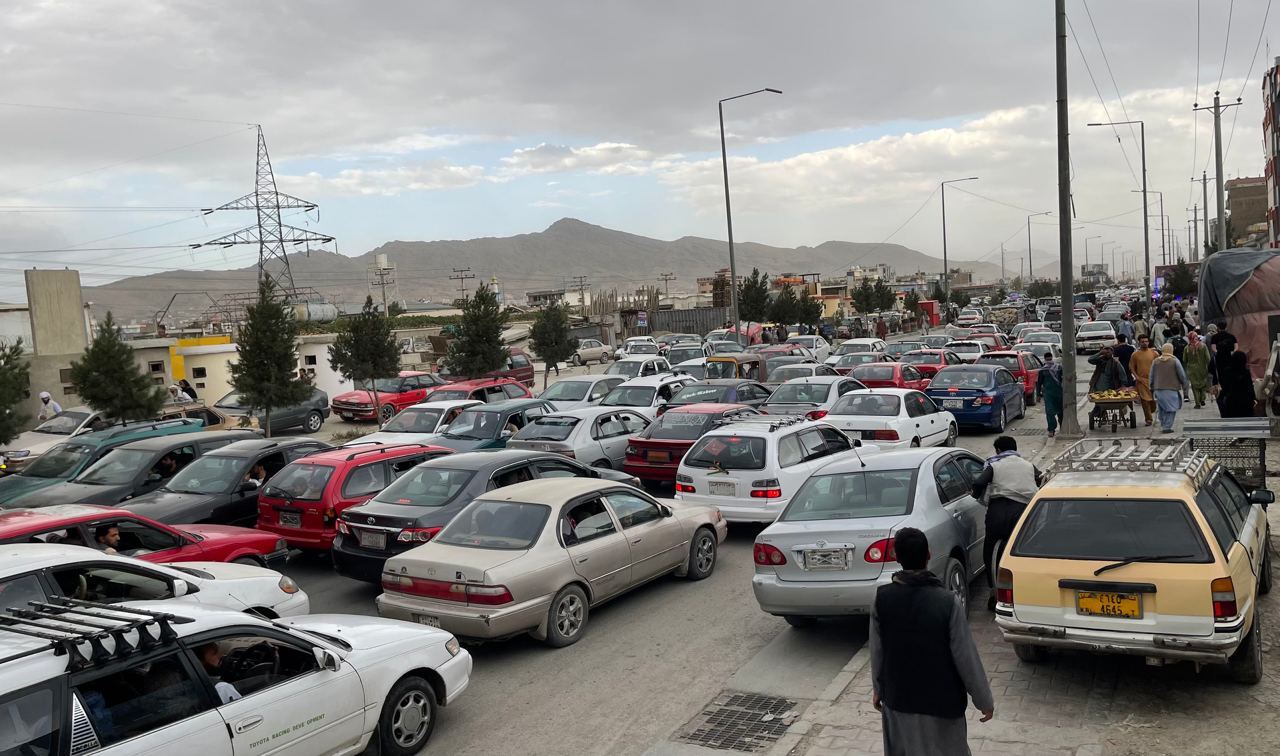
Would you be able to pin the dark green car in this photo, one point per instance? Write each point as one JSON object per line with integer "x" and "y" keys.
{"x": 488, "y": 426}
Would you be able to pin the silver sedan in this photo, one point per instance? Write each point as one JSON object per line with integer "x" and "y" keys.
{"x": 595, "y": 436}
{"x": 831, "y": 548}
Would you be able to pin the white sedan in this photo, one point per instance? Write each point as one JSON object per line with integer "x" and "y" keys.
{"x": 414, "y": 424}
{"x": 969, "y": 351}
{"x": 855, "y": 346}
{"x": 580, "y": 391}
{"x": 894, "y": 419}
{"x": 817, "y": 346}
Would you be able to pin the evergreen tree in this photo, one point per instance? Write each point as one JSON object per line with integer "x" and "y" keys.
{"x": 549, "y": 337}
{"x": 15, "y": 382}
{"x": 478, "y": 348}
{"x": 108, "y": 379}
{"x": 884, "y": 296}
{"x": 753, "y": 298}
{"x": 1000, "y": 296}
{"x": 808, "y": 309}
{"x": 960, "y": 299}
{"x": 937, "y": 294}
{"x": 365, "y": 352}
{"x": 395, "y": 309}
{"x": 1181, "y": 281}
{"x": 266, "y": 375}
{"x": 785, "y": 307}
{"x": 864, "y": 297}
{"x": 1016, "y": 283}
{"x": 1038, "y": 289}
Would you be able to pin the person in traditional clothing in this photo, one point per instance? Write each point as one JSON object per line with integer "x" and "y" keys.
{"x": 1168, "y": 382}
{"x": 1196, "y": 359}
{"x": 923, "y": 659}
{"x": 1123, "y": 350}
{"x": 1237, "y": 398}
{"x": 1049, "y": 382}
{"x": 1140, "y": 367}
{"x": 1125, "y": 327}
{"x": 1108, "y": 375}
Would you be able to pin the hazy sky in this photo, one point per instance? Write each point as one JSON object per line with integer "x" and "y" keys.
{"x": 429, "y": 120}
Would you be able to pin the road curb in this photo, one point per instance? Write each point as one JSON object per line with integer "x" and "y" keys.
{"x": 796, "y": 733}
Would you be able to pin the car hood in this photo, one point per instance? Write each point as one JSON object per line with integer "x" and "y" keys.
{"x": 364, "y": 632}
{"x": 157, "y": 503}
{"x": 463, "y": 444}
{"x": 356, "y": 397}
{"x": 15, "y": 487}
{"x": 228, "y": 570}
{"x": 36, "y": 443}
{"x": 564, "y": 406}
{"x": 75, "y": 493}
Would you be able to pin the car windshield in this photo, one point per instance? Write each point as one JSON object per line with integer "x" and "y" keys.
{"x": 61, "y": 461}
{"x": 384, "y": 385}
{"x": 805, "y": 341}
{"x": 787, "y": 372}
{"x": 727, "y": 453}
{"x": 548, "y": 428}
{"x": 801, "y": 393}
{"x": 301, "y": 482}
{"x": 849, "y": 360}
{"x": 847, "y": 348}
{"x": 506, "y": 525}
{"x": 962, "y": 347}
{"x": 447, "y": 395}
{"x": 1003, "y": 360}
{"x": 951, "y": 378}
{"x": 567, "y": 391}
{"x": 1110, "y": 530}
{"x": 680, "y": 354}
{"x": 642, "y": 348}
{"x": 848, "y": 496}
{"x": 693, "y": 371}
{"x": 721, "y": 369}
{"x": 64, "y": 424}
{"x": 118, "y": 467}
{"x": 415, "y": 420}
{"x": 477, "y": 425}
{"x": 700, "y": 393}
{"x": 426, "y": 486}
{"x": 209, "y": 475}
{"x": 873, "y": 372}
{"x": 726, "y": 347}
{"x": 231, "y": 401}
{"x": 628, "y": 368}
{"x": 629, "y": 396}
{"x": 680, "y": 426}
{"x": 877, "y": 405}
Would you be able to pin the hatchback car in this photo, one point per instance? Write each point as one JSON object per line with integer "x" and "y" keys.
{"x": 537, "y": 556}
{"x": 846, "y": 363}
{"x": 307, "y": 416}
{"x": 591, "y": 350}
{"x": 393, "y": 395}
{"x": 930, "y": 361}
{"x": 654, "y": 454}
{"x": 968, "y": 350}
{"x": 982, "y": 395}
{"x": 413, "y": 425}
{"x": 580, "y": 391}
{"x": 1025, "y": 366}
{"x": 719, "y": 391}
{"x": 639, "y": 366}
{"x": 894, "y": 418}
{"x": 595, "y": 435}
{"x": 811, "y": 397}
{"x": 890, "y": 375}
{"x": 831, "y": 549}
{"x": 646, "y": 395}
{"x": 480, "y": 390}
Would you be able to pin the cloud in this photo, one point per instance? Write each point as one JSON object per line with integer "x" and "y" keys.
{"x": 386, "y": 181}
{"x": 606, "y": 158}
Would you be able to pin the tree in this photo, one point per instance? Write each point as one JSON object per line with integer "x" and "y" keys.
{"x": 960, "y": 299}
{"x": 808, "y": 309}
{"x": 864, "y": 297}
{"x": 1000, "y": 296}
{"x": 1181, "y": 281}
{"x": 395, "y": 309}
{"x": 550, "y": 338}
{"x": 266, "y": 375}
{"x": 365, "y": 352}
{"x": 937, "y": 294}
{"x": 478, "y": 348}
{"x": 1037, "y": 289}
{"x": 1016, "y": 283}
{"x": 785, "y": 308}
{"x": 107, "y": 378}
{"x": 753, "y": 298}
{"x": 884, "y": 296}
{"x": 15, "y": 382}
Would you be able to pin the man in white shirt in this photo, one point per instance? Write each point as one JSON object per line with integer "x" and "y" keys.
{"x": 211, "y": 658}
{"x": 49, "y": 409}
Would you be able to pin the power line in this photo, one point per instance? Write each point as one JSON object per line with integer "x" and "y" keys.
{"x": 895, "y": 232}
{"x": 98, "y": 209}
{"x": 1195, "y": 123}
{"x": 1101, "y": 100}
{"x": 462, "y": 275}
{"x": 1110, "y": 73}
{"x": 1226, "y": 43}
{"x": 1252, "y": 62}
{"x": 120, "y": 113}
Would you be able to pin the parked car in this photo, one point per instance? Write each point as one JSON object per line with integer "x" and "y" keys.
{"x": 489, "y": 426}
{"x": 894, "y": 418}
{"x": 846, "y": 363}
{"x": 984, "y": 395}
{"x": 29, "y": 445}
{"x": 639, "y": 367}
{"x": 1043, "y": 339}
{"x": 654, "y": 454}
{"x": 668, "y": 340}
{"x": 1025, "y": 366}
{"x": 819, "y": 348}
{"x": 890, "y": 375}
{"x": 591, "y": 350}
{"x": 301, "y": 503}
{"x": 854, "y": 346}
{"x": 930, "y": 361}
{"x": 811, "y": 397}
{"x": 580, "y": 391}
{"x": 134, "y": 469}
{"x": 637, "y": 345}
{"x": 968, "y": 350}
{"x": 1092, "y": 337}
{"x": 969, "y": 316}
{"x": 417, "y": 424}
{"x": 896, "y": 349}
{"x": 393, "y": 395}
{"x": 309, "y": 416}
{"x": 685, "y": 351}
{"x": 480, "y": 390}
{"x": 695, "y": 368}
{"x": 524, "y": 554}
{"x": 646, "y": 395}
{"x": 1016, "y": 332}
{"x": 994, "y": 342}
{"x": 784, "y": 373}
{"x": 719, "y": 391}
{"x": 935, "y": 340}
{"x": 211, "y": 418}
{"x": 413, "y": 509}
{"x": 517, "y": 366}
{"x": 596, "y": 435}
{"x": 831, "y": 549}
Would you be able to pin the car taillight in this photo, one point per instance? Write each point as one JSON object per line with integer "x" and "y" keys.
{"x": 342, "y": 527}
{"x": 684, "y": 484}
{"x": 415, "y": 535}
{"x": 885, "y": 435}
{"x": 1224, "y": 599}
{"x": 488, "y": 595}
{"x": 984, "y": 400}
{"x": 768, "y": 555}
{"x": 330, "y": 514}
{"x": 816, "y": 414}
{"x": 1004, "y": 586}
{"x": 632, "y": 451}
{"x": 881, "y": 552}
{"x": 769, "y": 488}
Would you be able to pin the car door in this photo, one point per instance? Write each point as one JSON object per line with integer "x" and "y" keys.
{"x": 912, "y": 379}
{"x": 1248, "y": 520}
{"x": 939, "y": 424}
{"x": 657, "y": 540}
{"x": 597, "y": 548}
{"x": 917, "y": 418}
{"x": 144, "y": 540}
{"x": 970, "y": 467}
{"x": 610, "y": 435}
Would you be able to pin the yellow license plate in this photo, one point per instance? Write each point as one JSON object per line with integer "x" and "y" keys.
{"x": 1102, "y": 604}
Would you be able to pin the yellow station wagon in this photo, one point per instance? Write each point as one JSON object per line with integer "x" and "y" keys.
{"x": 1143, "y": 548}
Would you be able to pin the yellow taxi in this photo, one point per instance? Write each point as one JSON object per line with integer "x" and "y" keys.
{"x": 1143, "y": 548}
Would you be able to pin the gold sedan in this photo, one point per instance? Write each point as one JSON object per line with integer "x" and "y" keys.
{"x": 535, "y": 557}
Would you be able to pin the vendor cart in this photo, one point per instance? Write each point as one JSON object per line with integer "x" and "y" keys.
{"x": 1111, "y": 407}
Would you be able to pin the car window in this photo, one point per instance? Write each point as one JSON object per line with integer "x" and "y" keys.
{"x": 110, "y": 584}
{"x": 970, "y": 466}
{"x": 1233, "y": 499}
{"x": 633, "y": 510}
{"x": 910, "y": 374}
{"x": 365, "y": 480}
{"x": 1219, "y": 523}
{"x": 141, "y": 698}
{"x": 302, "y": 482}
{"x": 136, "y": 537}
{"x": 519, "y": 361}
{"x": 882, "y": 493}
{"x": 1111, "y": 530}
{"x": 847, "y": 386}
{"x": 551, "y": 468}
{"x": 29, "y": 726}
{"x": 502, "y": 525}
{"x": 510, "y": 476}
{"x": 16, "y": 592}
{"x": 789, "y": 451}
{"x": 727, "y": 453}
{"x": 633, "y": 423}
{"x": 952, "y": 483}
{"x": 586, "y": 521}
{"x": 512, "y": 390}
{"x": 426, "y": 487}
{"x": 610, "y": 426}
{"x": 241, "y": 665}
{"x": 812, "y": 444}
{"x": 298, "y": 452}
{"x": 405, "y": 464}
{"x": 835, "y": 440}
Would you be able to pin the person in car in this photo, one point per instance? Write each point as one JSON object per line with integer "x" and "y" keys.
{"x": 108, "y": 538}
{"x": 1008, "y": 482}
{"x": 211, "y": 658}
{"x": 256, "y": 475}
{"x": 164, "y": 468}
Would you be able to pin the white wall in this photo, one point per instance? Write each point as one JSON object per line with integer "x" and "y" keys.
{"x": 313, "y": 356}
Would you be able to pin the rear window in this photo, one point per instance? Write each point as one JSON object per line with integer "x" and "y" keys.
{"x": 883, "y": 493}
{"x": 878, "y": 405}
{"x": 961, "y": 347}
{"x": 923, "y": 358}
{"x": 950, "y": 378}
{"x": 873, "y": 372}
{"x": 60, "y": 461}
{"x": 548, "y": 428}
{"x": 567, "y": 391}
{"x": 299, "y": 482}
{"x": 448, "y": 395}
{"x": 851, "y": 348}
{"x": 695, "y": 394}
{"x": 849, "y": 360}
{"x": 505, "y": 525}
{"x": 727, "y": 453}
{"x": 680, "y": 426}
{"x": 1111, "y": 530}
{"x": 1005, "y": 362}
{"x": 680, "y": 354}
{"x": 786, "y": 373}
{"x": 801, "y": 393}
{"x": 629, "y": 396}
{"x": 426, "y": 487}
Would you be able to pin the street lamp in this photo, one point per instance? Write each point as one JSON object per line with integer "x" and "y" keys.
{"x": 1086, "y": 248}
{"x": 728, "y": 212}
{"x": 1146, "y": 232}
{"x": 1030, "y": 268}
{"x": 946, "y": 270}
{"x": 1164, "y": 254}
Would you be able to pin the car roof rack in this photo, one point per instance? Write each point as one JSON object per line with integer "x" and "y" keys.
{"x": 69, "y": 623}
{"x": 770, "y": 422}
{"x": 384, "y": 448}
{"x": 1133, "y": 455}
{"x": 172, "y": 422}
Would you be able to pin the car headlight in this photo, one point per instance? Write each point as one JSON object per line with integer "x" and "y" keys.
{"x": 282, "y": 545}
{"x": 287, "y": 585}
{"x": 452, "y": 646}
{"x": 18, "y": 454}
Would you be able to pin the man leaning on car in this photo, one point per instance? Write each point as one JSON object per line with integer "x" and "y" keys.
{"x": 1011, "y": 482}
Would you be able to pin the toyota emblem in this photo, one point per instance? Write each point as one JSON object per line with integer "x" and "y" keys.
{"x": 372, "y": 520}
{"x": 822, "y": 544}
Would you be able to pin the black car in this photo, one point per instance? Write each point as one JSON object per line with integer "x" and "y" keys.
{"x": 135, "y": 469}
{"x": 720, "y": 391}
{"x": 222, "y": 486}
{"x": 308, "y": 416}
{"x": 410, "y": 511}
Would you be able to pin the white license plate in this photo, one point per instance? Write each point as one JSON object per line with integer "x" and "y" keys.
{"x": 825, "y": 559}
{"x": 346, "y": 415}
{"x": 722, "y": 488}
{"x": 427, "y": 619}
{"x": 953, "y": 403}
{"x": 372, "y": 539}
{"x": 290, "y": 520}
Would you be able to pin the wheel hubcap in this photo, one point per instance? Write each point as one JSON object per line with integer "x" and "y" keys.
{"x": 957, "y": 586}
{"x": 706, "y": 554}
{"x": 412, "y": 715}
{"x": 569, "y": 616}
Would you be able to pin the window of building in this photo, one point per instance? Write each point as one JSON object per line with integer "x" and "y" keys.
{"x": 156, "y": 366}
{"x": 64, "y": 375}
{"x": 199, "y": 372}
{"x": 309, "y": 360}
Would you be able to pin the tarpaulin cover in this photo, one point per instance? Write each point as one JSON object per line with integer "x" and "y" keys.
{"x": 1242, "y": 286}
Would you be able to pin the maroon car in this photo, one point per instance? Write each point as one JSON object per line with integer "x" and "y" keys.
{"x": 930, "y": 361}
{"x": 655, "y": 453}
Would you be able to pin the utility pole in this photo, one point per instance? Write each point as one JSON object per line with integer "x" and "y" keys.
{"x": 1192, "y": 252}
{"x": 1031, "y": 268}
{"x": 1204, "y": 188}
{"x": 462, "y": 275}
{"x": 383, "y": 274}
{"x": 1001, "y": 263}
{"x": 1217, "y": 109}
{"x": 1086, "y": 248}
{"x": 580, "y": 283}
{"x": 666, "y": 279}
{"x": 1070, "y": 422}
{"x": 946, "y": 270}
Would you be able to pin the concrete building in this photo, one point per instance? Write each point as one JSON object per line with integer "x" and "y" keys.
{"x": 1246, "y": 206}
{"x": 1271, "y": 150}
{"x": 155, "y": 358}
{"x": 544, "y": 297}
{"x": 707, "y": 283}
{"x": 206, "y": 368}
{"x": 59, "y": 328}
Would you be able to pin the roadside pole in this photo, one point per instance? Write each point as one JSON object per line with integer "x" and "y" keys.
{"x": 1070, "y": 421}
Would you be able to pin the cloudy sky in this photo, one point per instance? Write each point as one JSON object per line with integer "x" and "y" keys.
{"x": 413, "y": 120}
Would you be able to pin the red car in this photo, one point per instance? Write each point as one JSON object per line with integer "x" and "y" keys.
{"x": 994, "y": 341}
{"x": 301, "y": 503}
{"x": 1024, "y": 366}
{"x": 394, "y": 394}
{"x": 481, "y": 389}
{"x": 518, "y": 367}
{"x": 890, "y": 375}
{"x": 655, "y": 452}
{"x": 75, "y": 525}
{"x": 930, "y": 361}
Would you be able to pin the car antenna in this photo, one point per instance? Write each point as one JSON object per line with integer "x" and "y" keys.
{"x": 856, "y": 444}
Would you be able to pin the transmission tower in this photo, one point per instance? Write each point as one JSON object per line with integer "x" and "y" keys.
{"x": 270, "y": 234}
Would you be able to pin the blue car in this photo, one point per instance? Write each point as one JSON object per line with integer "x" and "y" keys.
{"x": 979, "y": 395}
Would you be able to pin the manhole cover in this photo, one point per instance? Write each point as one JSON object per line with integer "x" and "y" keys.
{"x": 1030, "y": 431}
{"x": 745, "y": 722}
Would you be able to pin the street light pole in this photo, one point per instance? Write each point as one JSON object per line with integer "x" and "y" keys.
{"x": 1070, "y": 421}
{"x": 728, "y": 211}
{"x": 1030, "y": 268}
{"x": 946, "y": 271}
{"x": 1086, "y": 248}
{"x": 1146, "y": 229}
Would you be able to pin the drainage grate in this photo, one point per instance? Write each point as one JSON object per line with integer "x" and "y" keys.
{"x": 745, "y": 722}
{"x": 1030, "y": 431}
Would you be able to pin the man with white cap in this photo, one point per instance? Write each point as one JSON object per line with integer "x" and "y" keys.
{"x": 49, "y": 409}
{"x": 178, "y": 396}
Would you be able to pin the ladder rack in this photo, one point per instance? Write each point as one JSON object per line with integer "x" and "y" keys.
{"x": 69, "y": 623}
{"x": 773, "y": 422}
{"x": 1133, "y": 455}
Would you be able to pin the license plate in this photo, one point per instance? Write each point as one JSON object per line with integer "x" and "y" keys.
{"x": 1103, "y": 604}
{"x": 372, "y": 539}
{"x": 657, "y": 456}
{"x": 953, "y": 403}
{"x": 722, "y": 488}
{"x": 290, "y": 519}
{"x": 826, "y": 559}
{"x": 426, "y": 619}
{"x": 346, "y": 415}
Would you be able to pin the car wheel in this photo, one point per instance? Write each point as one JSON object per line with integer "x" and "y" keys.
{"x": 313, "y": 422}
{"x": 1246, "y": 662}
{"x": 1031, "y": 400}
{"x": 800, "y": 621}
{"x": 702, "y": 554}
{"x": 1030, "y": 654}
{"x": 408, "y": 717}
{"x": 1264, "y": 578}
{"x": 1022, "y": 411}
{"x": 575, "y": 360}
{"x": 567, "y": 617}
{"x": 603, "y": 464}
{"x": 956, "y": 581}
{"x": 952, "y": 433}
{"x": 251, "y": 561}
{"x": 1002, "y": 420}
{"x": 388, "y": 412}
{"x": 604, "y": 359}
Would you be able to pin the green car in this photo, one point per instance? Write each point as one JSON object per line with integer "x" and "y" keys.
{"x": 67, "y": 459}
{"x": 488, "y": 426}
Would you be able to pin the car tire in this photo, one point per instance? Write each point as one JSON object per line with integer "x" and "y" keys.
{"x": 1035, "y": 397}
{"x": 1246, "y": 662}
{"x": 251, "y": 561}
{"x": 703, "y": 552}
{"x": 567, "y": 617}
{"x": 800, "y": 621}
{"x": 575, "y": 360}
{"x": 1030, "y": 654}
{"x": 602, "y": 464}
{"x": 1022, "y": 411}
{"x": 313, "y": 423}
{"x": 604, "y": 359}
{"x": 1002, "y": 421}
{"x": 952, "y": 434}
{"x": 408, "y": 717}
{"x": 387, "y": 412}
{"x": 1264, "y": 577}
{"x": 955, "y": 579}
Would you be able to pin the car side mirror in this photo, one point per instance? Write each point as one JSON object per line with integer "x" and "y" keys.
{"x": 1262, "y": 496}
{"x": 327, "y": 659}
{"x": 857, "y": 442}
{"x": 183, "y": 588}
{"x": 666, "y": 511}
{"x": 246, "y": 486}
{"x": 507, "y": 434}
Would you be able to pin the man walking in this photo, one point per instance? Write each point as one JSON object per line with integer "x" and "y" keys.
{"x": 1108, "y": 375}
{"x": 49, "y": 409}
{"x": 882, "y": 329}
{"x": 1123, "y": 350}
{"x": 1008, "y": 482}
{"x": 1140, "y": 367}
{"x": 1125, "y": 326}
{"x": 923, "y": 659}
{"x": 1195, "y": 358}
{"x": 1049, "y": 382}
{"x": 1168, "y": 382}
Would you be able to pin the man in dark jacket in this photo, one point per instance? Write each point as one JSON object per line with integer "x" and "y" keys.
{"x": 923, "y": 661}
{"x": 1123, "y": 350}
